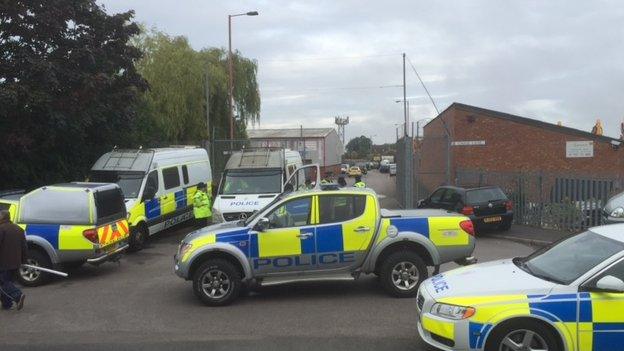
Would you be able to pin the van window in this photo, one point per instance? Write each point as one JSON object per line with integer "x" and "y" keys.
{"x": 258, "y": 181}
{"x": 4, "y": 206}
{"x": 185, "y": 174}
{"x": 171, "y": 177}
{"x": 129, "y": 182}
{"x": 51, "y": 206}
{"x": 341, "y": 208}
{"x": 109, "y": 205}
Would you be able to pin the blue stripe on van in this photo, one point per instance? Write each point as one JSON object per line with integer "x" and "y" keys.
{"x": 152, "y": 208}
{"x": 180, "y": 198}
{"x": 49, "y": 232}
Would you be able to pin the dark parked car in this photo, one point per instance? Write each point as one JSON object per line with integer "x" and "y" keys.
{"x": 487, "y": 207}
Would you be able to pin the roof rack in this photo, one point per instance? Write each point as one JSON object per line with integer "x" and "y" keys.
{"x": 251, "y": 155}
{"x": 184, "y": 146}
{"x": 120, "y": 155}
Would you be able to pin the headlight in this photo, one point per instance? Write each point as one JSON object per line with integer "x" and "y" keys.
{"x": 184, "y": 248}
{"x": 618, "y": 212}
{"x": 452, "y": 311}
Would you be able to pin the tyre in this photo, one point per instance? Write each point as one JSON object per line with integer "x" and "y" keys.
{"x": 33, "y": 277}
{"x": 217, "y": 282}
{"x": 505, "y": 226}
{"x": 522, "y": 335}
{"x": 401, "y": 273}
{"x": 138, "y": 238}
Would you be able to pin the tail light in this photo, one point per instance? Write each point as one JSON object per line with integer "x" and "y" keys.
{"x": 467, "y": 210}
{"x": 509, "y": 205}
{"x": 467, "y": 226}
{"x": 91, "y": 235}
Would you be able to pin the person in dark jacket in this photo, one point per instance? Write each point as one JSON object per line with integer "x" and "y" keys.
{"x": 13, "y": 250}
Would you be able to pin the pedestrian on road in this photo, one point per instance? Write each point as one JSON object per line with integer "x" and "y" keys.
{"x": 341, "y": 181}
{"x": 13, "y": 251}
{"x": 359, "y": 183}
{"x": 201, "y": 206}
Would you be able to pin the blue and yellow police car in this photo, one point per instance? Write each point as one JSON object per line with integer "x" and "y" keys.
{"x": 567, "y": 296}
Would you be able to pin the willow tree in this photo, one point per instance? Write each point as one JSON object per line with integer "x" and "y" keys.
{"x": 174, "y": 107}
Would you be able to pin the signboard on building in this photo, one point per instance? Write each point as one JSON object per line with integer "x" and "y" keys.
{"x": 576, "y": 149}
{"x": 468, "y": 143}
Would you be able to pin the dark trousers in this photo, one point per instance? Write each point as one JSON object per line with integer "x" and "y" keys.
{"x": 9, "y": 293}
{"x": 202, "y": 222}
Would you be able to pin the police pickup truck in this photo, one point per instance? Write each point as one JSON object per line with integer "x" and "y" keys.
{"x": 322, "y": 234}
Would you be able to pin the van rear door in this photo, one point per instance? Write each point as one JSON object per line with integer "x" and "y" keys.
{"x": 111, "y": 221}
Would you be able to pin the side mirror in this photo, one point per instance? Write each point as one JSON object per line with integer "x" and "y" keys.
{"x": 262, "y": 224}
{"x": 610, "y": 283}
{"x": 421, "y": 203}
{"x": 149, "y": 192}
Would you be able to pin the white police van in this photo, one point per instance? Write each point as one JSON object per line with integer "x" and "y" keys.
{"x": 252, "y": 178}
{"x": 158, "y": 185}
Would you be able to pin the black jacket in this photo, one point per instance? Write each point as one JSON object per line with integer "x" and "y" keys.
{"x": 13, "y": 246}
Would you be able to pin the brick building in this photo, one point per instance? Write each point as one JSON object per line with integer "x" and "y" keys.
{"x": 488, "y": 142}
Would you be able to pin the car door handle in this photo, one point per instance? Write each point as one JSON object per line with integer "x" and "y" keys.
{"x": 304, "y": 235}
{"x": 362, "y": 229}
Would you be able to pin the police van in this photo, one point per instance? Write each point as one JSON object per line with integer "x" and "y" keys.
{"x": 253, "y": 178}
{"x": 158, "y": 185}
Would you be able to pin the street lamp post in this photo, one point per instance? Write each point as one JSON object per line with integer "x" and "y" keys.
{"x": 231, "y": 69}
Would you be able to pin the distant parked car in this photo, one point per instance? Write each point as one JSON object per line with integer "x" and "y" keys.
{"x": 355, "y": 171}
{"x": 613, "y": 212}
{"x": 384, "y": 166}
{"x": 487, "y": 207}
{"x": 344, "y": 168}
{"x": 392, "y": 169}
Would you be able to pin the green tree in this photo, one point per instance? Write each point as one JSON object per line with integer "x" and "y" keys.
{"x": 360, "y": 147}
{"x": 68, "y": 87}
{"x": 174, "y": 108}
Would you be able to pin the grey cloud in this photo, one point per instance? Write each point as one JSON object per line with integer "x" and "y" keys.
{"x": 550, "y": 60}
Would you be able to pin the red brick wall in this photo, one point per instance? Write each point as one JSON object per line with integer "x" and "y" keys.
{"x": 509, "y": 147}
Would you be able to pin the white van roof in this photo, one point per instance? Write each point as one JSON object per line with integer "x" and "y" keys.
{"x": 145, "y": 159}
{"x": 258, "y": 158}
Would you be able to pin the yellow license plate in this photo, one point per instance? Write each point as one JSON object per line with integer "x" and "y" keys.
{"x": 492, "y": 219}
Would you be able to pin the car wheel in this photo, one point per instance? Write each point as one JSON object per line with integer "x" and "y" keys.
{"x": 33, "y": 277}
{"x": 521, "y": 335}
{"x": 401, "y": 273}
{"x": 217, "y": 282}
{"x": 138, "y": 238}
{"x": 505, "y": 226}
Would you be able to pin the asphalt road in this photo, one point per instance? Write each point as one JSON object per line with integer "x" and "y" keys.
{"x": 140, "y": 304}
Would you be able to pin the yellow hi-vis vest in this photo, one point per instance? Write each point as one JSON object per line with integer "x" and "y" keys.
{"x": 201, "y": 205}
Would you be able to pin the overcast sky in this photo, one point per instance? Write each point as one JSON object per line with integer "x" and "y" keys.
{"x": 556, "y": 60}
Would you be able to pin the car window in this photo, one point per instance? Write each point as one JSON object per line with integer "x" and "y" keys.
{"x": 569, "y": 259}
{"x": 293, "y": 213}
{"x": 437, "y": 195}
{"x": 171, "y": 177}
{"x": 449, "y": 196}
{"x": 4, "y": 206}
{"x": 185, "y": 176}
{"x": 340, "y": 208}
{"x": 616, "y": 270}
{"x": 479, "y": 196}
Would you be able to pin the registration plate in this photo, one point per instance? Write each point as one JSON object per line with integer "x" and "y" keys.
{"x": 492, "y": 219}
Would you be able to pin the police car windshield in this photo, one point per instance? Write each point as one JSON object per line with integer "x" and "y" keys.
{"x": 129, "y": 182}
{"x": 568, "y": 259}
{"x": 253, "y": 181}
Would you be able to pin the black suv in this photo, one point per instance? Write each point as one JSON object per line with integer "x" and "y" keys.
{"x": 487, "y": 207}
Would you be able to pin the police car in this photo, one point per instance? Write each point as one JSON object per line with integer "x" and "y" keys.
{"x": 567, "y": 296}
{"x": 322, "y": 235}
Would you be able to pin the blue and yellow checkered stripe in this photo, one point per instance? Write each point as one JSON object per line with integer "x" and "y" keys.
{"x": 587, "y": 321}
{"x": 163, "y": 205}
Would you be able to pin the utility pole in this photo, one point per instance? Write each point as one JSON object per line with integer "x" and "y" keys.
{"x": 207, "y": 83}
{"x": 404, "y": 100}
